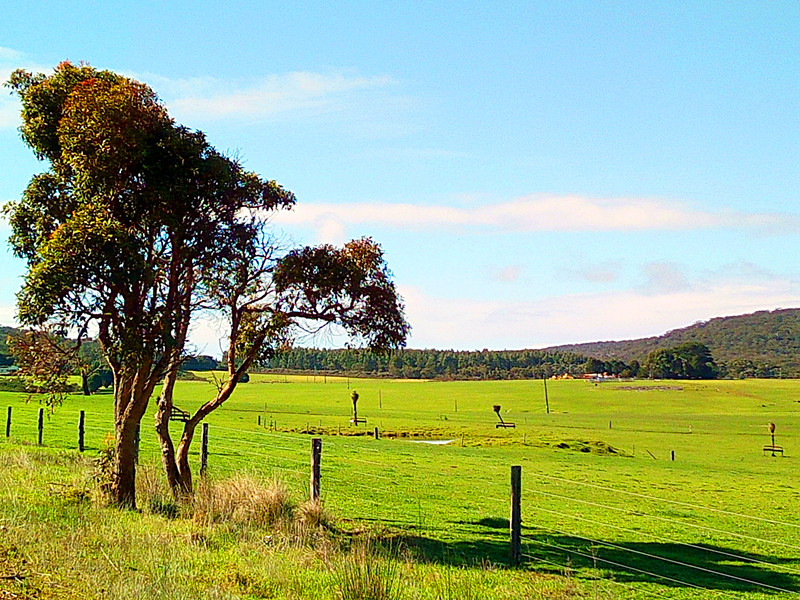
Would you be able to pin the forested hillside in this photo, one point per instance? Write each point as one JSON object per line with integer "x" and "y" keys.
{"x": 761, "y": 344}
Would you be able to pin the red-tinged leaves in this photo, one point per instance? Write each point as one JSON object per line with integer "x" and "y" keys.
{"x": 350, "y": 286}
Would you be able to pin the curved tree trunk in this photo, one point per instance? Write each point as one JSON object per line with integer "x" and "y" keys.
{"x": 183, "y": 453}
{"x": 165, "y": 439}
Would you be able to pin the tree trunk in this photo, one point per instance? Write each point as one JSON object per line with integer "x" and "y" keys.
{"x": 131, "y": 397}
{"x": 85, "y": 384}
{"x": 164, "y": 401}
{"x": 183, "y": 454}
{"x": 123, "y": 487}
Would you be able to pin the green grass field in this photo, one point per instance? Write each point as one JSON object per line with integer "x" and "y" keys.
{"x": 602, "y": 499}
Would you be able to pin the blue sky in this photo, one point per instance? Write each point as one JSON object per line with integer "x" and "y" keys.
{"x": 538, "y": 173}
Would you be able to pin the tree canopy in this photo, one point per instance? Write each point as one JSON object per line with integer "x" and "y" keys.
{"x": 691, "y": 360}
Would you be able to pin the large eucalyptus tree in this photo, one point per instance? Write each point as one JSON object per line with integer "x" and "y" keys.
{"x": 138, "y": 222}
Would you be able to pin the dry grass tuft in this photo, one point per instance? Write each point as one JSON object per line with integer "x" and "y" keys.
{"x": 242, "y": 500}
{"x": 312, "y": 514}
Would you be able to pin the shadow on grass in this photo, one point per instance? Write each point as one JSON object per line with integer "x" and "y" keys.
{"x": 705, "y": 567}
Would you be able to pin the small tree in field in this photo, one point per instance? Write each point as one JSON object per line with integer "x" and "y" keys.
{"x": 138, "y": 222}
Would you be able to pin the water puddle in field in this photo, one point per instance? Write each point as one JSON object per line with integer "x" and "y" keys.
{"x": 433, "y": 442}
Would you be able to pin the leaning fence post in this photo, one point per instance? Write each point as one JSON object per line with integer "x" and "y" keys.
{"x": 8, "y": 423}
{"x": 81, "y": 421}
{"x": 41, "y": 424}
{"x": 204, "y": 451}
{"x": 515, "y": 522}
{"x": 316, "y": 456}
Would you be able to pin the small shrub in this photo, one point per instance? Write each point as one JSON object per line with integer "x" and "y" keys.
{"x": 103, "y": 469}
{"x": 9, "y": 383}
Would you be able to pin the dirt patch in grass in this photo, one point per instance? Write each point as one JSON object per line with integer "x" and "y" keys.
{"x": 650, "y": 388}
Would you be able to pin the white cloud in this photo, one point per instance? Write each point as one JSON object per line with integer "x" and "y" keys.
{"x": 10, "y": 60}
{"x": 604, "y": 272}
{"x": 664, "y": 278}
{"x": 507, "y": 274}
{"x": 537, "y": 213}
{"x": 10, "y": 55}
{"x": 8, "y": 315}
{"x": 294, "y": 93}
{"x": 471, "y": 324}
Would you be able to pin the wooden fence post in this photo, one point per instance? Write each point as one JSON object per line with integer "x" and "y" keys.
{"x": 316, "y": 456}
{"x": 8, "y": 423}
{"x": 515, "y": 522}
{"x": 204, "y": 451}
{"x": 41, "y": 425}
{"x": 81, "y": 422}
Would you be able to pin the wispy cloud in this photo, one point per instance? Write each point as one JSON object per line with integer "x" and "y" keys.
{"x": 664, "y": 278}
{"x": 278, "y": 96}
{"x": 10, "y": 55}
{"x": 465, "y": 323}
{"x": 11, "y": 60}
{"x": 604, "y": 272}
{"x": 507, "y": 274}
{"x": 538, "y": 213}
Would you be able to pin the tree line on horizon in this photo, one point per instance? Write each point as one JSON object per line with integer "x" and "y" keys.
{"x": 690, "y": 360}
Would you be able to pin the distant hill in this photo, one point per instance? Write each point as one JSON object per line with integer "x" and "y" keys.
{"x": 758, "y": 341}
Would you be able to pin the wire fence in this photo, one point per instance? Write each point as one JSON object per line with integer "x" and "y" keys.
{"x": 628, "y": 543}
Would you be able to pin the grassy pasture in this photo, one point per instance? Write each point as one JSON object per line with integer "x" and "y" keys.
{"x": 601, "y": 497}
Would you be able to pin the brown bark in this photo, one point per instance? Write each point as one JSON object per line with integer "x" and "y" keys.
{"x": 183, "y": 454}
{"x": 131, "y": 396}
{"x": 165, "y": 440}
{"x": 85, "y": 384}
{"x": 123, "y": 487}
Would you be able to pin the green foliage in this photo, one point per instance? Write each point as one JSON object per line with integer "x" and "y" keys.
{"x": 200, "y": 362}
{"x": 12, "y": 384}
{"x": 691, "y": 360}
{"x": 430, "y": 364}
{"x": 351, "y": 286}
{"x": 5, "y": 354}
{"x": 100, "y": 379}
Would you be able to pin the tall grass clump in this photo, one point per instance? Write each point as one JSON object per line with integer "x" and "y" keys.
{"x": 449, "y": 587}
{"x": 154, "y": 493}
{"x": 243, "y": 500}
{"x": 365, "y": 573}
